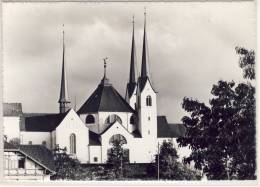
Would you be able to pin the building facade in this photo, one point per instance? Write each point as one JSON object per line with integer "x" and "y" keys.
{"x": 106, "y": 116}
{"x": 27, "y": 162}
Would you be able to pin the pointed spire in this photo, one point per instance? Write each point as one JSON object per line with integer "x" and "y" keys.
{"x": 144, "y": 72}
{"x": 64, "y": 96}
{"x": 133, "y": 57}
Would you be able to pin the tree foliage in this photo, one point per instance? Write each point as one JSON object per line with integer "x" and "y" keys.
{"x": 15, "y": 141}
{"x": 169, "y": 166}
{"x": 118, "y": 159}
{"x": 66, "y": 167}
{"x": 247, "y": 62}
{"x": 222, "y": 135}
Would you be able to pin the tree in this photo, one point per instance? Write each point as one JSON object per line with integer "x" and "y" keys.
{"x": 247, "y": 62}
{"x": 169, "y": 166}
{"x": 66, "y": 167}
{"x": 15, "y": 141}
{"x": 117, "y": 159}
{"x": 222, "y": 136}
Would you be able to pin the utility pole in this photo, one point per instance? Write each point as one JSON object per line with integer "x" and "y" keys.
{"x": 158, "y": 166}
{"x": 122, "y": 163}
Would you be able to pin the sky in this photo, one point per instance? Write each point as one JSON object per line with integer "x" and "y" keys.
{"x": 191, "y": 47}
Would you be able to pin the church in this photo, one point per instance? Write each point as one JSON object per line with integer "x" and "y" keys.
{"x": 104, "y": 117}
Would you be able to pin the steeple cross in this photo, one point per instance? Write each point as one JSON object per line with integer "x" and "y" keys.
{"x": 105, "y": 66}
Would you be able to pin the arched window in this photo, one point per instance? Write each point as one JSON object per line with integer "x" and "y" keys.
{"x": 73, "y": 144}
{"x": 148, "y": 100}
{"x": 90, "y": 119}
{"x": 113, "y": 118}
{"x": 132, "y": 120}
{"x": 117, "y": 137}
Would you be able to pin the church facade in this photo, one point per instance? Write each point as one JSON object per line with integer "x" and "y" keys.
{"x": 104, "y": 117}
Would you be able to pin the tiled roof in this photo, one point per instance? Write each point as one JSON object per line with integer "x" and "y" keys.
{"x": 12, "y": 109}
{"x": 43, "y": 123}
{"x": 169, "y": 130}
{"x": 94, "y": 138}
{"x": 40, "y": 154}
{"x": 37, "y": 153}
{"x": 105, "y": 98}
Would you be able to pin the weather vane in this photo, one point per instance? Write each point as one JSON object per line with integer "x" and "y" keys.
{"x": 105, "y": 65}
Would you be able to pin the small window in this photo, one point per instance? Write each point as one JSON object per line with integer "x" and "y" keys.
{"x": 21, "y": 163}
{"x": 132, "y": 120}
{"x": 44, "y": 143}
{"x": 149, "y": 132}
{"x": 95, "y": 159}
{"x": 90, "y": 119}
{"x": 30, "y": 142}
{"x": 148, "y": 100}
{"x": 149, "y": 118}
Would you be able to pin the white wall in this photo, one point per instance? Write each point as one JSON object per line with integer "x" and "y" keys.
{"x": 147, "y": 123}
{"x": 36, "y": 137}
{"x": 73, "y": 124}
{"x": 95, "y": 151}
{"x": 12, "y": 127}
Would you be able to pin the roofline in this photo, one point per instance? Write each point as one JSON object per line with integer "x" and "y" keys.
{"x": 111, "y": 126}
{"x": 144, "y": 86}
{"x": 19, "y": 150}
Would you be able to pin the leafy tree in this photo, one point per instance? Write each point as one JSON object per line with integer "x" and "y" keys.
{"x": 247, "y": 62}
{"x": 67, "y": 168}
{"x": 222, "y": 135}
{"x": 169, "y": 166}
{"x": 118, "y": 159}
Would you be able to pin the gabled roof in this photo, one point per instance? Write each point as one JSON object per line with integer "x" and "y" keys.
{"x": 12, "y": 109}
{"x": 105, "y": 98}
{"x": 38, "y": 153}
{"x": 43, "y": 123}
{"x": 169, "y": 130}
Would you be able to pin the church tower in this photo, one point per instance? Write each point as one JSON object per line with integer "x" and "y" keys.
{"x": 131, "y": 85}
{"x": 146, "y": 98}
{"x": 64, "y": 96}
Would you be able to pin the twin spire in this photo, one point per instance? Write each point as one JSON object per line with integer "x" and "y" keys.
{"x": 145, "y": 52}
{"x": 64, "y": 96}
{"x": 133, "y": 57}
{"x": 131, "y": 85}
{"x": 144, "y": 66}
